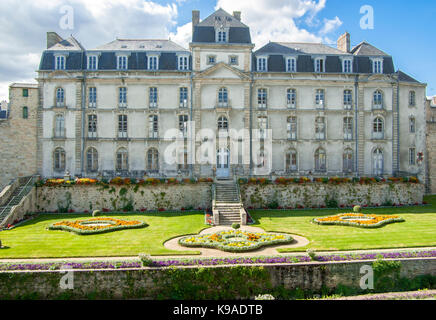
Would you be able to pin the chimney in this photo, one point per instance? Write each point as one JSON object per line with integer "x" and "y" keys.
{"x": 52, "y": 39}
{"x": 195, "y": 19}
{"x": 237, "y": 15}
{"x": 344, "y": 42}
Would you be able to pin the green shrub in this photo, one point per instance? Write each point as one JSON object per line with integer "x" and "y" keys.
{"x": 311, "y": 254}
{"x": 236, "y": 226}
{"x": 146, "y": 259}
{"x": 357, "y": 209}
{"x": 95, "y": 213}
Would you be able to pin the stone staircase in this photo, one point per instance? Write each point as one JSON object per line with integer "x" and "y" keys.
{"x": 227, "y": 202}
{"x": 15, "y": 198}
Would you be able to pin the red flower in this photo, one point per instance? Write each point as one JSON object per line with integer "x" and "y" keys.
{"x": 161, "y": 209}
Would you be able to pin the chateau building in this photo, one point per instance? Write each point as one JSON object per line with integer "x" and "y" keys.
{"x": 124, "y": 108}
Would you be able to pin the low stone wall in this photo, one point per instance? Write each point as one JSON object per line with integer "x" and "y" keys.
{"x": 194, "y": 282}
{"x": 318, "y": 194}
{"x": 81, "y": 198}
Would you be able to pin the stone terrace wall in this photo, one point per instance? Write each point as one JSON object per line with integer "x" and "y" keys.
{"x": 153, "y": 283}
{"x": 82, "y": 198}
{"x": 317, "y": 194}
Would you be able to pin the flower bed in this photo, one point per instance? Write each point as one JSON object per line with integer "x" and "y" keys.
{"x": 236, "y": 240}
{"x": 358, "y": 220}
{"x": 96, "y": 225}
{"x": 94, "y": 265}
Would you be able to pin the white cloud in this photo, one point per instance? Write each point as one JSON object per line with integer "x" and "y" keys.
{"x": 274, "y": 20}
{"x": 183, "y": 35}
{"x": 330, "y": 25}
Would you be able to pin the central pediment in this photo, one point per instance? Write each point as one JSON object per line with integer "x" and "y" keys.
{"x": 222, "y": 71}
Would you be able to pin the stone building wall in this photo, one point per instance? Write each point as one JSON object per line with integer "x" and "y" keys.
{"x": 431, "y": 142}
{"x": 18, "y": 136}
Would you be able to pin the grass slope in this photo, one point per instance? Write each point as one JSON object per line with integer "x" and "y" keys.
{"x": 33, "y": 240}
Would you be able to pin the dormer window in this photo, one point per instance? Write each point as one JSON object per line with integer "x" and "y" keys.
{"x": 60, "y": 62}
{"x": 221, "y": 35}
{"x": 183, "y": 63}
{"x": 122, "y": 62}
{"x": 153, "y": 63}
{"x": 291, "y": 65}
{"x": 347, "y": 66}
{"x": 92, "y": 62}
{"x": 320, "y": 65}
{"x": 377, "y": 66}
{"x": 262, "y": 64}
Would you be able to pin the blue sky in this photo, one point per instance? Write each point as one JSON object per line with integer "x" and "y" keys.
{"x": 402, "y": 28}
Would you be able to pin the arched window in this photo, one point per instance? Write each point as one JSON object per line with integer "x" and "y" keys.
{"x": 412, "y": 98}
{"x": 59, "y": 160}
{"x": 60, "y": 97}
{"x": 348, "y": 161}
{"x": 377, "y": 100}
{"x": 223, "y": 98}
{"x": 291, "y": 161}
{"x": 378, "y": 128}
{"x": 153, "y": 160}
{"x": 92, "y": 160}
{"x": 122, "y": 163}
{"x": 223, "y": 123}
{"x": 59, "y": 126}
{"x": 320, "y": 160}
{"x": 378, "y": 162}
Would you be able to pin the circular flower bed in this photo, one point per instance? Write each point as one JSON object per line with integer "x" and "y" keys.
{"x": 96, "y": 225}
{"x": 358, "y": 220}
{"x": 236, "y": 240}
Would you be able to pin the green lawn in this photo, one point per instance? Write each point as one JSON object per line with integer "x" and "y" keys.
{"x": 33, "y": 240}
{"x": 419, "y": 230}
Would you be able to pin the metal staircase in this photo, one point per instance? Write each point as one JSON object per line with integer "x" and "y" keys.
{"x": 20, "y": 192}
{"x": 227, "y": 202}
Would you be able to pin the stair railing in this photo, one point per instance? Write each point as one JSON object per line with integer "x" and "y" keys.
{"x": 17, "y": 196}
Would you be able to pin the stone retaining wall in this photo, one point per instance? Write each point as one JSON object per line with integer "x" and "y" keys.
{"x": 82, "y": 198}
{"x": 318, "y": 194}
{"x": 154, "y": 283}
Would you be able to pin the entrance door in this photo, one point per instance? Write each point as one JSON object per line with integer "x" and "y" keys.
{"x": 222, "y": 163}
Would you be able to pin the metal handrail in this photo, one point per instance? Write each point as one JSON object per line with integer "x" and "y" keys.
{"x": 13, "y": 198}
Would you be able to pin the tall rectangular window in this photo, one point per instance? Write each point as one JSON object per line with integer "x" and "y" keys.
{"x": 347, "y": 66}
{"x": 122, "y": 126}
{"x": 183, "y": 63}
{"x": 222, "y": 36}
{"x": 348, "y": 99}
{"x": 183, "y": 124}
{"x": 122, "y": 62}
{"x": 291, "y": 98}
{"x": 60, "y": 126}
{"x": 122, "y": 97}
{"x": 291, "y": 65}
{"x": 412, "y": 125}
{"x": 292, "y": 128}
{"x": 153, "y": 63}
{"x": 92, "y": 97}
{"x": 92, "y": 126}
{"x": 153, "y": 127}
{"x": 183, "y": 97}
{"x": 319, "y": 65}
{"x": 320, "y": 128}
{"x": 320, "y": 98}
{"x": 92, "y": 63}
{"x": 60, "y": 62}
{"x": 377, "y": 66}
{"x": 153, "y": 97}
{"x": 25, "y": 93}
{"x": 412, "y": 156}
{"x": 261, "y": 98}
{"x": 348, "y": 128}
{"x": 262, "y": 64}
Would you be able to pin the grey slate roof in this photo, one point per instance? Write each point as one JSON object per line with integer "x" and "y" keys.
{"x": 403, "y": 77}
{"x": 204, "y": 32}
{"x": 70, "y": 44}
{"x": 299, "y": 48}
{"x": 221, "y": 17}
{"x": 366, "y": 49}
{"x": 141, "y": 45}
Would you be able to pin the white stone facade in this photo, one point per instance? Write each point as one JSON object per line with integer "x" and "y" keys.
{"x": 357, "y": 151}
